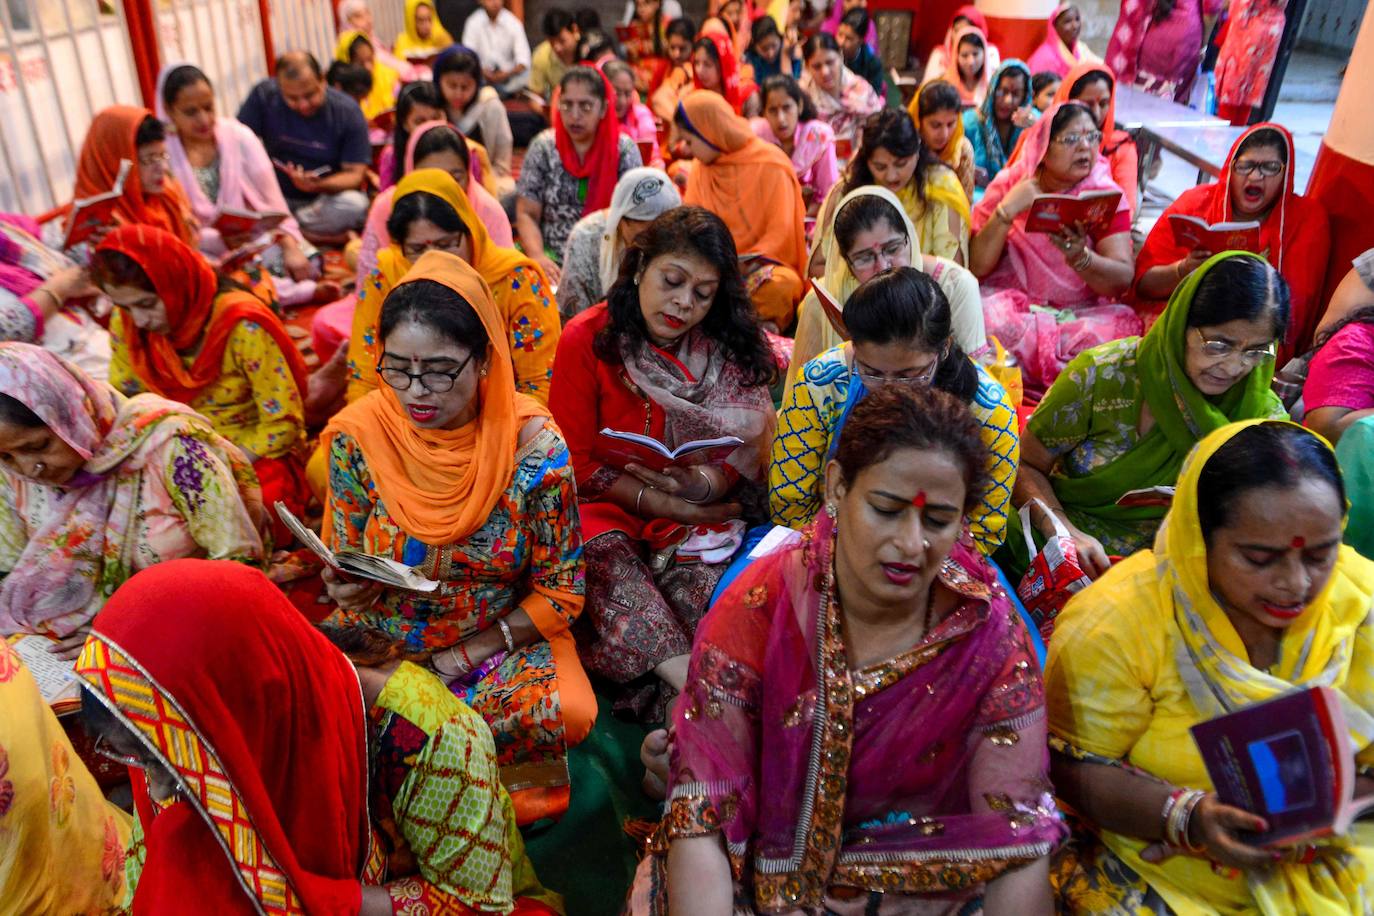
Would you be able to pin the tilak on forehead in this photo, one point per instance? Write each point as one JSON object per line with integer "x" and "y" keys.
{"x": 1299, "y": 543}
{"x": 919, "y": 500}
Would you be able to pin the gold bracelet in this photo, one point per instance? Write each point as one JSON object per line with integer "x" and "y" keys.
{"x": 1002, "y": 215}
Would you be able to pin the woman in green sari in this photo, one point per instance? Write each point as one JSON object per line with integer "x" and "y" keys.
{"x": 1122, "y": 416}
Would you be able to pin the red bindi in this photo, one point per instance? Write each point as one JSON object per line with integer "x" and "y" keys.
{"x": 1299, "y": 543}
{"x": 919, "y": 501}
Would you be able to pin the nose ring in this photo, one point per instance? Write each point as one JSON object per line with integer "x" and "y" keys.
{"x": 39, "y": 468}
{"x": 925, "y": 544}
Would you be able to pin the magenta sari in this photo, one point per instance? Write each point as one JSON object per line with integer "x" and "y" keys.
{"x": 907, "y": 784}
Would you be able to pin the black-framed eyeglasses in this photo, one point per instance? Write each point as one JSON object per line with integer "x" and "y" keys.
{"x": 109, "y": 753}
{"x": 434, "y": 381}
{"x": 1267, "y": 168}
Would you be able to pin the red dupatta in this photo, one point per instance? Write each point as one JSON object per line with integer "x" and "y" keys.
{"x": 111, "y": 138}
{"x": 261, "y": 721}
{"x": 188, "y": 287}
{"x": 601, "y": 167}
{"x": 1295, "y": 237}
{"x": 733, "y": 86}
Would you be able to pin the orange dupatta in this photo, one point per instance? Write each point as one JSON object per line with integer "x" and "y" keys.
{"x": 748, "y": 169}
{"x": 110, "y": 139}
{"x": 189, "y": 289}
{"x": 442, "y": 484}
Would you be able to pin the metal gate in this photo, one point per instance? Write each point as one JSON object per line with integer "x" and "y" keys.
{"x": 43, "y": 119}
{"x": 1333, "y": 24}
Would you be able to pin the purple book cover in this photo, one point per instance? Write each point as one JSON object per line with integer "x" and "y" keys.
{"x": 1275, "y": 759}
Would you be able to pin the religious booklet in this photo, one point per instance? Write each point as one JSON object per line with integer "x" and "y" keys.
{"x": 233, "y": 221}
{"x": 383, "y": 120}
{"x": 1289, "y": 760}
{"x": 231, "y": 261}
{"x": 834, "y": 311}
{"x": 1052, "y": 212}
{"x": 646, "y": 150}
{"x": 316, "y": 172}
{"x": 55, "y": 676}
{"x": 1147, "y": 496}
{"x": 92, "y": 213}
{"x": 620, "y": 448}
{"x": 1194, "y": 232}
{"x": 364, "y": 565}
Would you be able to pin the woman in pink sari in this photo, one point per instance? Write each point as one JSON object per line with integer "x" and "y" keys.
{"x": 798, "y": 782}
{"x": 636, "y": 120}
{"x": 1157, "y": 44}
{"x": 1061, "y": 49}
{"x": 1079, "y": 270}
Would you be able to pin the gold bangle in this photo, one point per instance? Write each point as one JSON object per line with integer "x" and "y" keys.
{"x": 1002, "y": 215}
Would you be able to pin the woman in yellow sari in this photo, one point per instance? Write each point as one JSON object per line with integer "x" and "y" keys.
{"x": 61, "y": 843}
{"x": 892, "y": 155}
{"x": 431, "y": 212}
{"x": 356, "y": 48}
{"x": 937, "y": 111}
{"x": 1248, "y": 594}
{"x": 424, "y": 35}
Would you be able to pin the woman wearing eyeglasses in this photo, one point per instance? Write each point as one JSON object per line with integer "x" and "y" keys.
{"x": 1123, "y": 415}
{"x": 1256, "y": 184}
{"x": 1081, "y": 270}
{"x": 675, "y": 352}
{"x": 447, "y": 468}
{"x": 901, "y": 333}
{"x": 432, "y": 213}
{"x": 571, "y": 169}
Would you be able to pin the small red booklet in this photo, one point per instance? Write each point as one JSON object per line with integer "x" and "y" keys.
{"x": 1052, "y": 212}
{"x": 1192, "y": 232}
{"x": 844, "y": 148}
{"x": 383, "y": 120}
{"x": 646, "y": 151}
{"x": 93, "y": 213}
{"x": 1290, "y": 760}
{"x": 233, "y": 221}
{"x": 620, "y": 448}
{"x": 834, "y": 311}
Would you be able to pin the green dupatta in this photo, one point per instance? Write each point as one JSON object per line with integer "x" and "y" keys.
{"x": 1183, "y": 415}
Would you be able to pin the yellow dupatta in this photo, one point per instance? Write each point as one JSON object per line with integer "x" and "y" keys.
{"x": 409, "y": 41}
{"x": 385, "y": 81}
{"x": 951, "y": 155}
{"x": 1329, "y": 645}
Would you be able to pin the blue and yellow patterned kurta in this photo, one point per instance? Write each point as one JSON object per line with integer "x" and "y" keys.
{"x": 809, "y": 423}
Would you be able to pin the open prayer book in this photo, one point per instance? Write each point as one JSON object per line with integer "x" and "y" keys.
{"x": 1147, "y": 496}
{"x": 1052, "y": 212}
{"x": 319, "y": 172}
{"x": 1192, "y": 232}
{"x": 834, "y": 311}
{"x": 365, "y": 565}
{"x": 1291, "y": 761}
{"x": 55, "y": 676}
{"x": 91, "y": 213}
{"x": 619, "y": 449}
{"x": 233, "y": 221}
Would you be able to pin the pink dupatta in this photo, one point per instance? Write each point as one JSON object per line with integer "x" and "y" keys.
{"x": 375, "y": 236}
{"x": 1054, "y": 55}
{"x": 813, "y": 772}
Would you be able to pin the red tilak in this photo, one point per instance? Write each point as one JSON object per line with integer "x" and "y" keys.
{"x": 920, "y": 500}
{"x": 1299, "y": 543}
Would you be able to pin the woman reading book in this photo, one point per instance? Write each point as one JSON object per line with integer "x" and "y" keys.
{"x": 189, "y": 335}
{"x": 901, "y": 334}
{"x": 1123, "y": 415}
{"x": 446, "y": 468}
{"x": 98, "y": 486}
{"x": 1256, "y": 184}
{"x": 1082, "y": 269}
{"x": 1247, "y": 594}
{"x": 1093, "y": 84}
{"x": 675, "y": 353}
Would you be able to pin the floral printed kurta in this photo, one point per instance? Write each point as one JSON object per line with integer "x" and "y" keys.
{"x": 254, "y": 403}
{"x": 191, "y": 508}
{"x": 529, "y": 553}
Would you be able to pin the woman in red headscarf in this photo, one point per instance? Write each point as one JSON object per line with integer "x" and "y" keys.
{"x": 1094, "y": 85}
{"x": 191, "y": 336}
{"x": 715, "y": 67}
{"x": 570, "y": 169}
{"x": 242, "y": 722}
{"x": 941, "y": 55}
{"x": 152, "y": 197}
{"x": 1256, "y": 184}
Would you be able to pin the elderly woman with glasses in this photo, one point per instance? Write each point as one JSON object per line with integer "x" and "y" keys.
{"x": 901, "y": 333}
{"x": 1123, "y": 415}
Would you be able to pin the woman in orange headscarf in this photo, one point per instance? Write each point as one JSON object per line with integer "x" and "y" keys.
{"x": 518, "y": 286}
{"x": 446, "y": 468}
{"x": 1094, "y": 84}
{"x": 191, "y": 336}
{"x": 152, "y": 197}
{"x": 749, "y": 184}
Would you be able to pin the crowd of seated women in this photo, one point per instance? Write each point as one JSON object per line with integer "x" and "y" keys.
{"x": 920, "y": 394}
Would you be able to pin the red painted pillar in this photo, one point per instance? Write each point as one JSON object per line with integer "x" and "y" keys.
{"x": 269, "y": 47}
{"x": 1343, "y": 179}
{"x": 1017, "y": 26}
{"x": 139, "y": 19}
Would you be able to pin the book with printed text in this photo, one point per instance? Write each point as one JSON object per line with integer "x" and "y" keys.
{"x": 1052, "y": 212}
{"x": 618, "y": 449}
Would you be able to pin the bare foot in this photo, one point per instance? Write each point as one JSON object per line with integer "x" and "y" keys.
{"x": 653, "y": 753}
